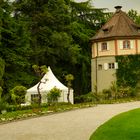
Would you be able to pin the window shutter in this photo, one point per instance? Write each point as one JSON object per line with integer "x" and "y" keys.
{"x": 121, "y": 44}
{"x": 116, "y": 65}
{"x": 106, "y": 66}
{"x": 131, "y": 44}
{"x": 107, "y": 46}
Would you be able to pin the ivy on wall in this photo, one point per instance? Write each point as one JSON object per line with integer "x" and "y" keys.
{"x": 128, "y": 73}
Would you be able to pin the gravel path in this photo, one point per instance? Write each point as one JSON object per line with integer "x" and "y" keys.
{"x": 72, "y": 125}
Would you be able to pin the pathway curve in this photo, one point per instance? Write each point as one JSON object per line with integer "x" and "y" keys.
{"x": 72, "y": 125}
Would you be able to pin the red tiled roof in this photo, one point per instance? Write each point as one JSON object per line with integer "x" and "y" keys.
{"x": 120, "y": 25}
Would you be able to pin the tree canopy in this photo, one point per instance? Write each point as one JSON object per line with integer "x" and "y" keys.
{"x": 54, "y": 33}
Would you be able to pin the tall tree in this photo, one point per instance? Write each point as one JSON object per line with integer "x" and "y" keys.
{"x": 60, "y": 31}
{"x": 2, "y": 69}
{"x": 86, "y": 20}
{"x": 14, "y": 47}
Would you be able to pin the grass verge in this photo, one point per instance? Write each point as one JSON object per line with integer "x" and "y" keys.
{"x": 16, "y": 114}
{"x": 35, "y": 112}
{"x": 125, "y": 126}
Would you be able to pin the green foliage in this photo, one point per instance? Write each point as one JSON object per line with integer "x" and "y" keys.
{"x": 107, "y": 94}
{"x": 133, "y": 14}
{"x": 40, "y": 70}
{"x": 12, "y": 108}
{"x": 21, "y": 77}
{"x": 21, "y": 112}
{"x": 69, "y": 79}
{"x": 3, "y": 105}
{"x": 112, "y": 92}
{"x": 1, "y": 90}
{"x": 116, "y": 92}
{"x": 53, "y": 95}
{"x": 18, "y": 94}
{"x": 85, "y": 21}
{"x": 2, "y": 69}
{"x": 127, "y": 92}
{"x": 52, "y": 32}
{"x": 59, "y": 32}
{"x": 128, "y": 74}
{"x": 14, "y": 47}
{"x": 125, "y": 126}
{"x": 90, "y": 97}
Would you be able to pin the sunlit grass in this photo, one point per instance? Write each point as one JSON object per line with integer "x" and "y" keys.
{"x": 125, "y": 126}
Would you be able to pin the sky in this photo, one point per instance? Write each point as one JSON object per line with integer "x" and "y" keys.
{"x": 110, "y": 4}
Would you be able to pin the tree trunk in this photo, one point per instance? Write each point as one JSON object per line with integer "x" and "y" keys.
{"x": 68, "y": 95}
{"x": 39, "y": 94}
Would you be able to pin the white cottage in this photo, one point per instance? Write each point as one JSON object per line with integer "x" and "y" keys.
{"x": 49, "y": 82}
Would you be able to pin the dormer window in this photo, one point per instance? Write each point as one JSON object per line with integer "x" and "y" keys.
{"x": 104, "y": 46}
{"x": 106, "y": 30}
{"x": 126, "y": 44}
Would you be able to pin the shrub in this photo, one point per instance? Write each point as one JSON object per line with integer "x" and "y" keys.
{"x": 127, "y": 92}
{"x": 107, "y": 94}
{"x": 115, "y": 92}
{"x": 53, "y": 95}
{"x": 18, "y": 94}
{"x": 90, "y": 97}
{"x": 78, "y": 99}
{"x": 3, "y": 105}
{"x": 1, "y": 90}
{"x": 11, "y": 108}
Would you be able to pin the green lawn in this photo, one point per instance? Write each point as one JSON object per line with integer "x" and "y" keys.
{"x": 125, "y": 126}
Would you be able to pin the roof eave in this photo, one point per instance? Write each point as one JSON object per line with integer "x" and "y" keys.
{"x": 114, "y": 38}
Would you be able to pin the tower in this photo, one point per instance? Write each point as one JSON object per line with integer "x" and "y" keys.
{"x": 119, "y": 36}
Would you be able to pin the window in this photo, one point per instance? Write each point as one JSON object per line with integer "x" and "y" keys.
{"x": 106, "y": 30}
{"x": 111, "y": 65}
{"x": 104, "y": 46}
{"x": 34, "y": 98}
{"x": 126, "y": 44}
{"x": 99, "y": 67}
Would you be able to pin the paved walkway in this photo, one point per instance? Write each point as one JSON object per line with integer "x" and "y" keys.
{"x": 72, "y": 125}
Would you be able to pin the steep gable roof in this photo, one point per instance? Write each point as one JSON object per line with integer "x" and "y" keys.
{"x": 120, "y": 25}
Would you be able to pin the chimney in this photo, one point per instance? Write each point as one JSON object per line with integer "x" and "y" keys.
{"x": 118, "y": 8}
